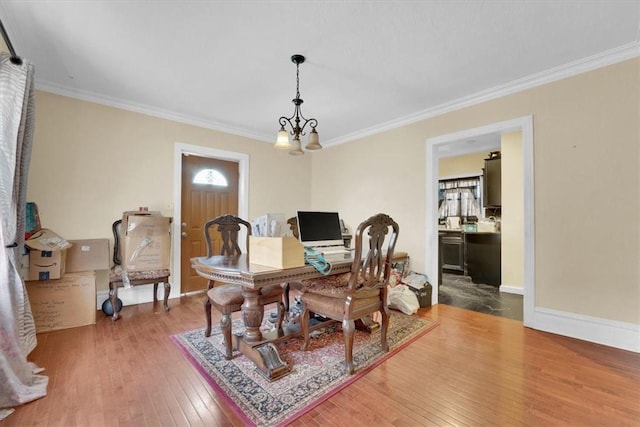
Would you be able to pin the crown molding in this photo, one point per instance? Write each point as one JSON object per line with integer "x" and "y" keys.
{"x": 610, "y": 57}
{"x": 46, "y": 86}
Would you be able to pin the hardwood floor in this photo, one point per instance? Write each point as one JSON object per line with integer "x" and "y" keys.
{"x": 473, "y": 369}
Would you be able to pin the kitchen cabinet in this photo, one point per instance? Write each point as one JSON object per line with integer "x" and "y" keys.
{"x": 483, "y": 257}
{"x": 492, "y": 182}
{"x": 451, "y": 251}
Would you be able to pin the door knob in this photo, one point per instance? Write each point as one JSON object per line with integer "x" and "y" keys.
{"x": 184, "y": 225}
{"x": 184, "y": 234}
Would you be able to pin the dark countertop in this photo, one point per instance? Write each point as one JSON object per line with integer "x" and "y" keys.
{"x": 460, "y": 230}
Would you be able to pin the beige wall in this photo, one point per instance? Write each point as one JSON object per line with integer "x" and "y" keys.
{"x": 90, "y": 163}
{"x": 586, "y": 181}
{"x": 512, "y": 211}
{"x": 463, "y": 165}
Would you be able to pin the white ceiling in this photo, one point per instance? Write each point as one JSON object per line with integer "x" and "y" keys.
{"x": 371, "y": 65}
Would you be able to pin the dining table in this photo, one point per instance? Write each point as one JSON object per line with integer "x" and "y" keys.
{"x": 255, "y": 344}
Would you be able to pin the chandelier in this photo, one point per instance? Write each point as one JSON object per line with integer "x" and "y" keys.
{"x": 282, "y": 142}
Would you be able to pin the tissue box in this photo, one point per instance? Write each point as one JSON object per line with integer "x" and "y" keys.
{"x": 277, "y": 252}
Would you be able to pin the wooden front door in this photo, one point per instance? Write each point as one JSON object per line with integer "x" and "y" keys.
{"x": 204, "y": 196}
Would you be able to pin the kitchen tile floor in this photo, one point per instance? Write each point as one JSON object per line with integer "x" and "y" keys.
{"x": 459, "y": 291}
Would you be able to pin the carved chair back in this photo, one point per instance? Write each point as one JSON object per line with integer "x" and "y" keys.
{"x": 229, "y": 228}
{"x": 373, "y": 270}
{"x": 115, "y": 227}
{"x": 293, "y": 226}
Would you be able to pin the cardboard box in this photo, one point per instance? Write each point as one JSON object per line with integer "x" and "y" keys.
{"x": 65, "y": 303}
{"x": 23, "y": 266}
{"x": 277, "y": 252}
{"x": 88, "y": 255}
{"x": 47, "y": 255}
{"x": 145, "y": 241}
{"x": 46, "y": 265}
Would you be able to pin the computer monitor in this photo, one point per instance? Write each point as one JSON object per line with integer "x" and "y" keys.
{"x": 319, "y": 228}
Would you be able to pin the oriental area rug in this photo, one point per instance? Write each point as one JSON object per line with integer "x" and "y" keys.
{"x": 316, "y": 375}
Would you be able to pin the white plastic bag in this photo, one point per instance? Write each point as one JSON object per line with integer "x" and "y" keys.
{"x": 403, "y": 299}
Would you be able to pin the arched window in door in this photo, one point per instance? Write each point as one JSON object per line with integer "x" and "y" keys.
{"x": 210, "y": 177}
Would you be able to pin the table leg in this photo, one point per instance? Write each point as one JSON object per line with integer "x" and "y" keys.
{"x": 252, "y": 314}
{"x": 263, "y": 354}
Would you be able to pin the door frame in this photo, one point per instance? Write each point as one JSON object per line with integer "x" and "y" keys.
{"x": 457, "y": 142}
{"x": 243, "y": 193}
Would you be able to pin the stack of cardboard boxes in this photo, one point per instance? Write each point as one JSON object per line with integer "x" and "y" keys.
{"x": 60, "y": 275}
{"x": 61, "y": 279}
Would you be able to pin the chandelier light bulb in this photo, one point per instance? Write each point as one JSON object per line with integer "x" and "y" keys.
{"x": 314, "y": 141}
{"x": 282, "y": 142}
{"x": 296, "y": 148}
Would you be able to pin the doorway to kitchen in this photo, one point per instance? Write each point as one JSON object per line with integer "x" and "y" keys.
{"x": 474, "y": 264}
{"x": 487, "y": 139}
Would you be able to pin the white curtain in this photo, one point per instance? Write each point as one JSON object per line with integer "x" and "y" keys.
{"x": 19, "y": 379}
{"x": 459, "y": 202}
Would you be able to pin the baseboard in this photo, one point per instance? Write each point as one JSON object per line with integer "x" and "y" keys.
{"x": 101, "y": 296}
{"x": 512, "y": 289}
{"x": 622, "y": 335}
{"x": 134, "y": 295}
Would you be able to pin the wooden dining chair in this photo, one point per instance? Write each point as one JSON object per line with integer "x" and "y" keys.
{"x": 119, "y": 277}
{"x": 228, "y": 298}
{"x": 362, "y": 291}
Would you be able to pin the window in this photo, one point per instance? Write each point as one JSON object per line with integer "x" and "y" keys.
{"x": 210, "y": 177}
{"x": 459, "y": 197}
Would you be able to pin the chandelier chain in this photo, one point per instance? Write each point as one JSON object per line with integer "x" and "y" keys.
{"x": 298, "y": 81}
